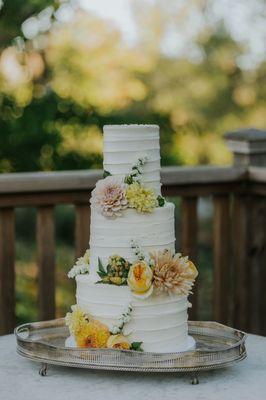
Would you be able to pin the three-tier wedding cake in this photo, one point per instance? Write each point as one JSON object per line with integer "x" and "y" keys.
{"x": 132, "y": 287}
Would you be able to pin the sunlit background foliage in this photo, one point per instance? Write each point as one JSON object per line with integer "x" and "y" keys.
{"x": 66, "y": 71}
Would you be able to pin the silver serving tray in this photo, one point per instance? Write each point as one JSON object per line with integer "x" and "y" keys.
{"x": 217, "y": 346}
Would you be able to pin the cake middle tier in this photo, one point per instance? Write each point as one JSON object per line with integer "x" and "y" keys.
{"x": 152, "y": 231}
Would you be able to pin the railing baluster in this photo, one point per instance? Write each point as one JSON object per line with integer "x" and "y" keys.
{"x": 221, "y": 240}
{"x": 189, "y": 240}
{"x": 7, "y": 271}
{"x": 46, "y": 262}
{"x": 256, "y": 285}
{"x": 241, "y": 261}
{"x": 82, "y": 228}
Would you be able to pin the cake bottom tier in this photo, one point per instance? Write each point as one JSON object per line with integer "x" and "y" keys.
{"x": 159, "y": 322}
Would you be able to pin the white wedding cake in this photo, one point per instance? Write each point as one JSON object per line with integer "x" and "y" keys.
{"x": 132, "y": 287}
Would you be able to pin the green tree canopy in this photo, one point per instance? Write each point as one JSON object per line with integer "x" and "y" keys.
{"x": 58, "y": 88}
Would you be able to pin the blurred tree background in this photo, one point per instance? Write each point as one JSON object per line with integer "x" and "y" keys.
{"x": 65, "y": 72}
{"x": 62, "y": 79}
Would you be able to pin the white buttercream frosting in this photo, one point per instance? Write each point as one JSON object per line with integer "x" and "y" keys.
{"x": 124, "y": 144}
{"x": 160, "y": 322}
{"x": 153, "y": 231}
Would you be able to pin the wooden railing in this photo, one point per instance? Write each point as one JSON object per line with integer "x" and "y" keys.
{"x": 239, "y": 231}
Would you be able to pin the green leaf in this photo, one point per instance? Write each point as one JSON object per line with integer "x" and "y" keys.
{"x": 161, "y": 201}
{"x": 136, "y": 346}
{"x": 128, "y": 179}
{"x": 101, "y": 267}
{"x": 125, "y": 273}
{"x": 106, "y": 173}
{"x": 105, "y": 278}
{"x": 109, "y": 269}
{"x": 102, "y": 274}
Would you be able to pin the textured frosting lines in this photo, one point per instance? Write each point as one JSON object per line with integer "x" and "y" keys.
{"x": 160, "y": 322}
{"x": 124, "y": 144}
{"x": 154, "y": 231}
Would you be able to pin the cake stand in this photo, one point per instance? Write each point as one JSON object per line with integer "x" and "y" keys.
{"x": 217, "y": 346}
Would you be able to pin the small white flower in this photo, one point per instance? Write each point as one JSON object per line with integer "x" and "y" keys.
{"x": 137, "y": 250}
{"x": 123, "y": 319}
{"x": 115, "y": 330}
{"x": 82, "y": 266}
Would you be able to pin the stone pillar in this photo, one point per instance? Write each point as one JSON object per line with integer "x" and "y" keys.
{"x": 248, "y": 146}
{"x": 249, "y": 234}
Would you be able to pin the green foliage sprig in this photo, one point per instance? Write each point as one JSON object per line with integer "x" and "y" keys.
{"x": 106, "y": 173}
{"x": 161, "y": 201}
{"x": 136, "y": 346}
{"x": 137, "y": 171}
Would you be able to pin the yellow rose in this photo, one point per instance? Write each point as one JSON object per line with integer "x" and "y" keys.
{"x": 118, "y": 342}
{"x": 140, "y": 277}
{"x": 192, "y": 270}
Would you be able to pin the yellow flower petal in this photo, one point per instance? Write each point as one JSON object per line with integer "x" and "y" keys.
{"x": 144, "y": 295}
{"x": 118, "y": 342}
{"x": 117, "y": 280}
{"x": 141, "y": 198}
{"x": 140, "y": 277}
{"x": 193, "y": 272}
{"x": 93, "y": 334}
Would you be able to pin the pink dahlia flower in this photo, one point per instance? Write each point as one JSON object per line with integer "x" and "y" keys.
{"x": 109, "y": 196}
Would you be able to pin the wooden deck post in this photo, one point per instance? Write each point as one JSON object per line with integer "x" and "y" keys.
{"x": 189, "y": 241}
{"x": 222, "y": 259}
{"x": 249, "y": 236}
{"x": 7, "y": 271}
{"x": 46, "y": 262}
{"x": 82, "y": 228}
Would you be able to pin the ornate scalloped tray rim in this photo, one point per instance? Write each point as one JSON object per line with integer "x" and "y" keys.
{"x": 217, "y": 346}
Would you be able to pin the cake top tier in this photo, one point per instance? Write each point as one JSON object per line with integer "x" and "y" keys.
{"x": 125, "y": 144}
{"x": 131, "y": 133}
{"x": 131, "y": 126}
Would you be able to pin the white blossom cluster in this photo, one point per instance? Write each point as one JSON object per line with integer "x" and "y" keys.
{"x": 124, "y": 319}
{"x": 82, "y": 266}
{"x": 140, "y": 255}
{"x": 137, "y": 250}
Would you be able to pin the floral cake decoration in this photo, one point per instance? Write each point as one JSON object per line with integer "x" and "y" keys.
{"x": 113, "y": 195}
{"x": 82, "y": 266}
{"x": 160, "y": 272}
{"x": 91, "y": 333}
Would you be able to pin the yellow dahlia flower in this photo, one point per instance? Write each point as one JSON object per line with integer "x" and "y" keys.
{"x": 141, "y": 198}
{"x": 93, "y": 334}
{"x": 75, "y": 320}
{"x": 87, "y": 331}
{"x": 118, "y": 342}
{"x": 140, "y": 278}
